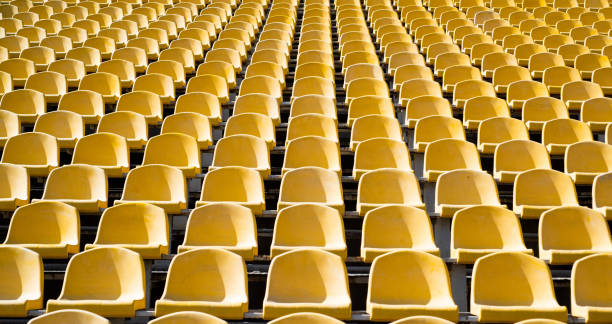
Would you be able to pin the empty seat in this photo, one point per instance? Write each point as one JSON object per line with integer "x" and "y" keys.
{"x": 234, "y": 184}
{"x": 174, "y": 149}
{"x": 270, "y": 69}
{"x": 366, "y": 87}
{"x": 72, "y": 69}
{"x": 538, "y": 190}
{"x": 130, "y": 125}
{"x": 588, "y": 63}
{"x": 596, "y": 113}
{"x": 370, "y": 105}
{"x": 515, "y": 156}
{"x": 52, "y": 84}
{"x": 418, "y": 87}
{"x": 586, "y": 160}
{"x": 15, "y": 189}
{"x": 560, "y": 133}
{"x": 570, "y": 233}
{"x": 202, "y": 103}
{"x": 142, "y": 228}
{"x": 104, "y": 83}
{"x": 449, "y": 154}
{"x": 432, "y": 128}
{"x": 308, "y": 226}
{"x": 314, "y": 86}
{"x": 37, "y": 152}
{"x": 312, "y": 151}
{"x": 108, "y": 280}
{"x": 208, "y": 267}
{"x": 123, "y": 69}
{"x": 22, "y": 281}
{"x": 503, "y": 76}
{"x": 537, "y": 111}
{"x": 424, "y": 106}
{"x": 407, "y": 283}
{"x": 396, "y": 227}
{"x": 497, "y": 130}
{"x": 372, "y": 126}
{"x": 242, "y": 150}
{"x": 521, "y": 91}
{"x": 20, "y": 70}
{"x": 311, "y": 124}
{"x": 459, "y": 189}
{"x": 378, "y": 153}
{"x": 88, "y": 104}
{"x": 481, "y": 230}
{"x": 323, "y": 286}
{"x": 69, "y": 315}
{"x": 262, "y": 103}
{"x": 252, "y": 124}
{"x": 192, "y": 124}
{"x": 590, "y": 276}
{"x": 41, "y": 56}
{"x": 423, "y": 320}
{"x": 159, "y": 84}
{"x": 575, "y": 93}
{"x": 602, "y": 77}
{"x": 65, "y": 126}
{"x": 602, "y": 187}
{"x": 388, "y": 187}
{"x": 142, "y": 102}
{"x": 160, "y": 185}
{"x": 297, "y": 186}
{"x": 555, "y": 77}
{"x": 105, "y": 150}
{"x": 221, "y": 225}
{"x": 522, "y": 294}
{"x": 468, "y": 89}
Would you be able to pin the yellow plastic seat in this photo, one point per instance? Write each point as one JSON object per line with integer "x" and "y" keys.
{"x": 242, "y": 150}
{"x": 416, "y": 88}
{"x": 555, "y": 77}
{"x": 194, "y": 45}
{"x": 222, "y": 69}
{"x": 104, "y": 83}
{"x": 570, "y": 233}
{"x": 185, "y": 317}
{"x": 305, "y": 317}
{"x": 159, "y": 84}
{"x": 27, "y": 104}
{"x": 271, "y": 55}
{"x": 174, "y": 149}
{"x": 33, "y": 34}
{"x": 37, "y": 152}
{"x": 538, "y": 190}
{"x": 492, "y": 61}
{"x": 160, "y": 185}
{"x": 371, "y": 126}
{"x": 481, "y": 230}
{"x": 314, "y": 86}
{"x": 65, "y": 126}
{"x": 260, "y": 103}
{"x": 270, "y": 69}
{"x": 588, "y": 63}
{"x": 145, "y": 103}
{"x": 192, "y": 124}
{"x": 130, "y": 125}
{"x": 208, "y": 267}
{"x": 539, "y": 110}
{"x": 449, "y": 154}
{"x": 82, "y": 186}
{"x": 311, "y": 124}
{"x": 369, "y": 105}
{"x": 509, "y": 296}
{"x": 479, "y": 109}
{"x": 20, "y": 70}
{"x": 15, "y": 189}
{"x": 455, "y": 74}
{"x": 503, "y": 76}
{"x": 107, "y": 151}
{"x": 73, "y": 70}
{"x": 118, "y": 289}
{"x": 575, "y": 93}
{"x": 123, "y": 69}
{"x": 468, "y": 89}
{"x": 313, "y": 104}
{"x": 48, "y": 228}
{"x": 209, "y": 83}
{"x": 9, "y": 126}
{"x": 590, "y": 275}
{"x": 421, "y": 287}
{"x": 297, "y": 186}
{"x": 105, "y": 45}
{"x": 40, "y": 55}
{"x": 52, "y": 84}
{"x": 432, "y": 128}
{"x": 463, "y": 188}
{"x": 586, "y": 160}
{"x": 600, "y": 194}
{"x": 22, "y": 281}
{"x": 222, "y": 225}
{"x": 601, "y": 76}
{"x": 329, "y": 296}
{"x": 558, "y": 134}
{"x": 149, "y": 45}
{"x": 425, "y": 106}
{"x": 497, "y": 130}
{"x": 379, "y": 153}
{"x": 318, "y": 70}
{"x": 234, "y": 184}
{"x": 201, "y": 103}
{"x": 142, "y": 228}
{"x": 388, "y": 187}
{"x": 515, "y": 156}
{"x": 69, "y": 315}
{"x": 411, "y": 72}
{"x": 521, "y": 91}
{"x": 181, "y": 55}
{"x": 403, "y": 58}
{"x": 396, "y": 228}
{"x": 308, "y": 225}
{"x": 596, "y": 113}
{"x": 312, "y": 151}
{"x": 88, "y": 104}
{"x": 252, "y": 124}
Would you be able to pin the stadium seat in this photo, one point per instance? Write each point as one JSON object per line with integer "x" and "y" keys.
{"x": 297, "y": 186}
{"x": 356, "y": 71}
{"x": 229, "y": 274}
{"x": 252, "y": 124}
{"x": 329, "y": 296}
{"x": 65, "y": 126}
{"x": 478, "y": 109}
{"x": 453, "y": 75}
{"x": 596, "y": 113}
{"x": 201, "y": 103}
{"x": 497, "y": 130}
{"x": 463, "y": 188}
{"x": 234, "y": 184}
{"x": 311, "y": 124}
{"x": 308, "y": 226}
{"x": 192, "y": 124}
{"x": 537, "y": 111}
{"x": 503, "y": 76}
{"x": 9, "y": 126}
{"x": 107, "y": 151}
{"x": 588, "y": 63}
{"x": 88, "y": 104}
{"x": 184, "y": 317}
{"x": 123, "y": 69}
{"x": 174, "y": 149}
{"x": 369, "y": 105}
{"x": 37, "y": 152}
{"x": 589, "y": 276}
{"x": 106, "y": 84}
{"x": 504, "y": 296}
{"x": 366, "y": 87}
{"x": 570, "y": 233}
{"x": 145, "y": 103}
{"x": 386, "y": 228}
{"x": 558, "y": 134}
{"x": 26, "y": 103}
{"x": 449, "y": 154}
{"x": 379, "y": 153}
{"x": 20, "y": 70}
{"x": 306, "y": 317}
{"x": 73, "y": 69}
{"x": 416, "y": 88}
{"x": 600, "y": 194}
{"x": 575, "y": 93}
{"x": 602, "y": 77}
{"x": 130, "y": 125}
{"x": 148, "y": 45}
{"x": 160, "y": 185}
{"x": 411, "y": 72}
{"x": 22, "y": 281}
{"x": 556, "y": 76}
{"x": 407, "y": 283}
{"x": 372, "y": 126}
{"x": 312, "y": 151}
{"x": 586, "y": 160}
{"x": 242, "y": 150}
{"x": 142, "y": 228}
{"x": 425, "y": 106}
{"x": 468, "y": 89}
{"x": 270, "y": 69}
{"x": 159, "y": 84}
{"x": 388, "y": 186}
{"x": 69, "y": 315}
{"x": 313, "y": 86}
{"x": 261, "y": 85}
{"x": 520, "y": 91}
{"x": 116, "y": 289}
{"x": 432, "y": 128}
{"x": 40, "y": 55}
{"x": 515, "y": 156}
{"x": 223, "y": 225}
{"x": 261, "y": 103}
{"x": 52, "y": 84}
{"x": 481, "y": 230}
{"x": 538, "y": 190}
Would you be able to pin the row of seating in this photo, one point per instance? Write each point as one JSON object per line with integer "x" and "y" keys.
{"x": 401, "y": 284}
